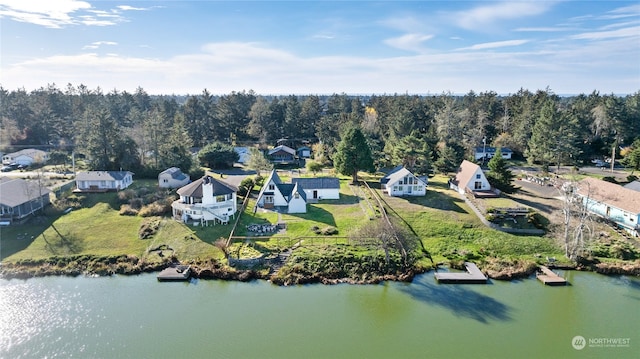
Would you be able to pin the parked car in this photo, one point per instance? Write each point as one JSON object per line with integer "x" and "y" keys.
{"x": 10, "y": 167}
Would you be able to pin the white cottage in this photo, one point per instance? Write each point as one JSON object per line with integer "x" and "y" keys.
{"x": 288, "y": 197}
{"x": 319, "y": 188}
{"x": 401, "y": 182}
{"x": 471, "y": 178}
{"x": 103, "y": 181}
{"x": 26, "y": 157}
{"x": 173, "y": 178}
{"x": 206, "y": 200}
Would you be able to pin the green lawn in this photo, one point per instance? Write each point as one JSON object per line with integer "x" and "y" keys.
{"x": 447, "y": 226}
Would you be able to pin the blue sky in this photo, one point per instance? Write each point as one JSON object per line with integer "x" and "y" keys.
{"x": 322, "y": 47}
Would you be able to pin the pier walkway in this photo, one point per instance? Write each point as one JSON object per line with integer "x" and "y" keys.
{"x": 472, "y": 276}
{"x": 548, "y": 277}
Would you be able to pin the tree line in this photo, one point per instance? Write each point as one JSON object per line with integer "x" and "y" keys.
{"x": 145, "y": 133}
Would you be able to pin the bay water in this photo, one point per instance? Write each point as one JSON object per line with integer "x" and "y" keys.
{"x": 595, "y": 316}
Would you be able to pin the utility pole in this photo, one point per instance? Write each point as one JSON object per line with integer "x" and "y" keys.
{"x": 484, "y": 149}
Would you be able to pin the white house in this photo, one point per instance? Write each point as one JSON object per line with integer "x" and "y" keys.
{"x": 288, "y": 197}
{"x": 26, "y": 157}
{"x": 470, "y": 178}
{"x": 206, "y": 200}
{"x": 102, "y": 181}
{"x": 613, "y": 202}
{"x": 173, "y": 178}
{"x": 319, "y": 188}
{"x": 401, "y": 182}
{"x": 489, "y": 152}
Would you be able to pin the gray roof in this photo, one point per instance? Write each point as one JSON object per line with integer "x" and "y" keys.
{"x": 102, "y": 175}
{"x": 396, "y": 174}
{"x": 16, "y": 191}
{"x": 175, "y": 173}
{"x": 390, "y": 172}
{"x": 31, "y": 152}
{"x": 317, "y": 183}
{"x": 283, "y": 148}
{"x": 634, "y": 186}
{"x": 194, "y": 189}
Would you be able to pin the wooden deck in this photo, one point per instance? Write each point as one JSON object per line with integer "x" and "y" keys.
{"x": 473, "y": 276}
{"x": 175, "y": 273}
{"x": 548, "y": 277}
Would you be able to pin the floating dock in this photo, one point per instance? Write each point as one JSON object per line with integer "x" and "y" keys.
{"x": 549, "y": 277}
{"x": 175, "y": 273}
{"x": 473, "y": 276}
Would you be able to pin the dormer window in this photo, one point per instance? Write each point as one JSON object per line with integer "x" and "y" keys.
{"x": 271, "y": 187}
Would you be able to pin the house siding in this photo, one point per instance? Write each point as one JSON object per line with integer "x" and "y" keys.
{"x": 625, "y": 219}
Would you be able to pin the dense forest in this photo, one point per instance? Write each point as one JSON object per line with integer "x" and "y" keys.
{"x": 146, "y": 134}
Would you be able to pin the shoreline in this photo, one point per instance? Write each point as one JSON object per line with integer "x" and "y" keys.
{"x": 495, "y": 269}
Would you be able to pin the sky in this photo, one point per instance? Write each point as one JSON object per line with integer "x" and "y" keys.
{"x": 322, "y": 47}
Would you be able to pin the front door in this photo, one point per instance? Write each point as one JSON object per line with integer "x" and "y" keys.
{"x": 315, "y": 194}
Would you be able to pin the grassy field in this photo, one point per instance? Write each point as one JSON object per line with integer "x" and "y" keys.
{"x": 448, "y": 228}
{"x": 442, "y": 221}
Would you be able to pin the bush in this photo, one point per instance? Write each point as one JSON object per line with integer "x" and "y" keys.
{"x": 148, "y": 228}
{"x": 126, "y": 195}
{"x": 631, "y": 178}
{"x": 127, "y": 210}
{"x": 329, "y": 231}
{"x": 609, "y": 179}
{"x": 155, "y": 209}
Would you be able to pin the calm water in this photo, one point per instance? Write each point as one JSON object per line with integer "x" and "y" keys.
{"x": 138, "y": 317}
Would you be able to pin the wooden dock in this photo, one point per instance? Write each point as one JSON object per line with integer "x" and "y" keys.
{"x": 472, "y": 276}
{"x": 549, "y": 277}
{"x": 175, "y": 273}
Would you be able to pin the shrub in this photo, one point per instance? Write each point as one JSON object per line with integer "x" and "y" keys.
{"x": 329, "y": 231}
{"x": 155, "y": 209}
{"x": 631, "y": 178}
{"x": 126, "y": 195}
{"x": 610, "y": 179}
{"x": 148, "y": 228}
{"x": 127, "y": 210}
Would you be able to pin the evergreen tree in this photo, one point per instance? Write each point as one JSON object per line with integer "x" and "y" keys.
{"x": 353, "y": 154}
{"x": 218, "y": 155}
{"x": 499, "y": 174}
{"x": 448, "y": 160}
{"x": 258, "y": 162}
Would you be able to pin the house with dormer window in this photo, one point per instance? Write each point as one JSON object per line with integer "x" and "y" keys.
{"x": 284, "y": 197}
{"x": 401, "y": 182}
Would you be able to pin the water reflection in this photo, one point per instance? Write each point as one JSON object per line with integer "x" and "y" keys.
{"x": 460, "y": 300}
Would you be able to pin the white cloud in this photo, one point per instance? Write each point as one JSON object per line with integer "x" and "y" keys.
{"x": 53, "y": 14}
{"x": 543, "y": 29}
{"x": 59, "y": 13}
{"x": 599, "y": 35}
{"x": 409, "y": 42}
{"x": 131, "y": 8}
{"x": 234, "y": 66}
{"x": 97, "y": 44}
{"x": 479, "y": 18}
{"x": 496, "y": 44}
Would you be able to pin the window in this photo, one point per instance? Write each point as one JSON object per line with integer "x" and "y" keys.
{"x": 268, "y": 199}
{"x": 417, "y": 188}
{"x": 165, "y": 180}
{"x": 477, "y": 185}
{"x": 271, "y": 187}
{"x": 221, "y": 198}
{"x": 296, "y": 195}
{"x": 478, "y": 176}
{"x": 395, "y": 188}
{"x": 400, "y": 188}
